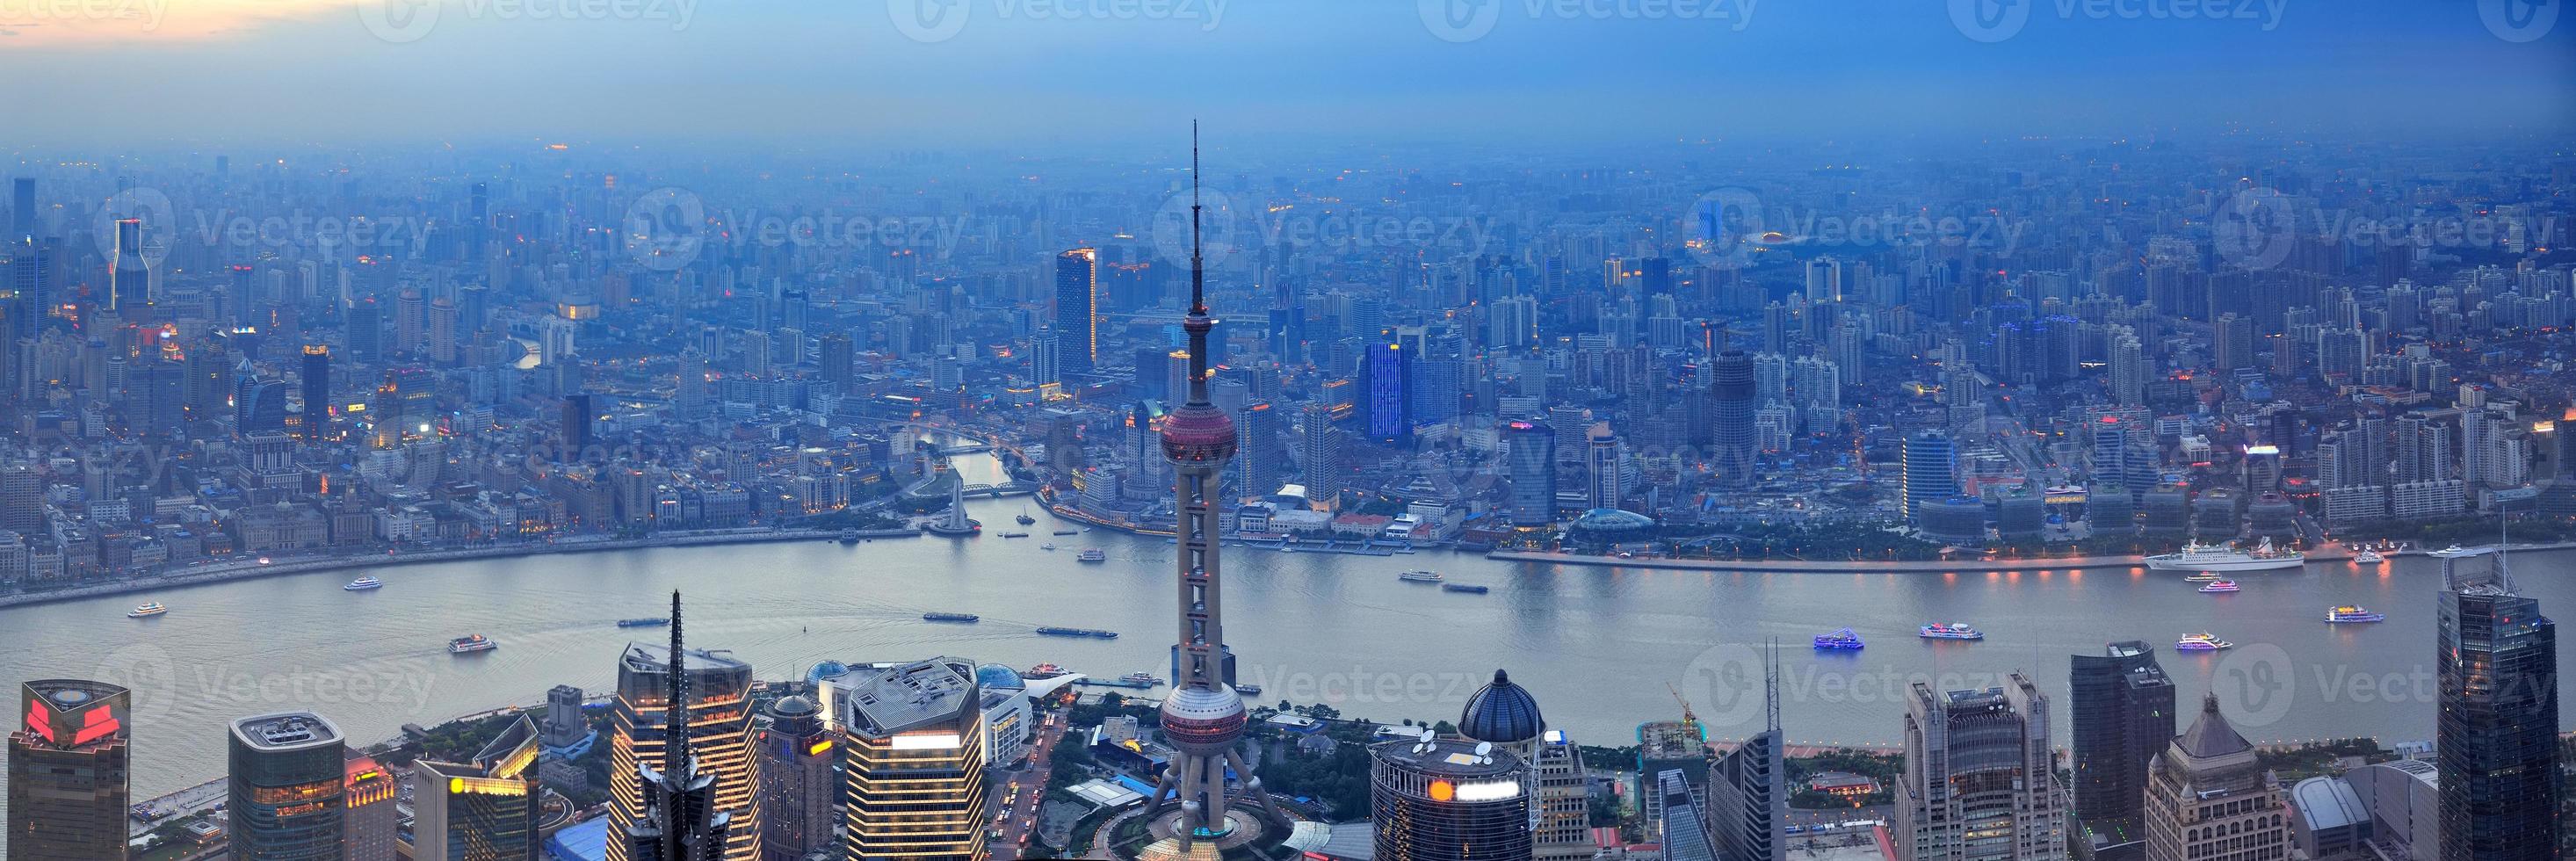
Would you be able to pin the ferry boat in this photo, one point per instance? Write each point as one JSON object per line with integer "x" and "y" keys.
{"x": 643, "y": 622}
{"x": 1093, "y": 555}
{"x": 471, "y": 643}
{"x": 2218, "y": 586}
{"x": 1248, "y": 690}
{"x": 1049, "y": 546}
{"x": 1077, "y": 632}
{"x": 2201, "y": 642}
{"x": 2452, "y": 552}
{"x": 1843, "y": 640}
{"x": 2350, "y": 613}
{"x": 1468, "y": 588}
{"x": 2196, "y": 556}
{"x": 147, "y": 610}
{"x": 364, "y": 583}
{"x": 2368, "y": 557}
{"x": 1042, "y": 671}
{"x": 950, "y": 617}
{"x": 1419, "y": 577}
{"x": 1951, "y": 631}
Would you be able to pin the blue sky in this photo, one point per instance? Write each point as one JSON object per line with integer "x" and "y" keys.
{"x": 144, "y": 74}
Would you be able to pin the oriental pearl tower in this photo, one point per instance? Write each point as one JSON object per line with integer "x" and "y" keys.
{"x": 1204, "y": 717}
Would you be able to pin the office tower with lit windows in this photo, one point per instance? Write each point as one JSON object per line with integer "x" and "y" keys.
{"x": 1449, "y": 798}
{"x": 317, "y": 392}
{"x": 1077, "y": 310}
{"x": 912, "y": 760}
{"x": 2122, "y": 710}
{"x": 68, "y": 772}
{"x": 367, "y": 828}
{"x": 717, "y": 773}
{"x": 287, "y": 788}
{"x": 669, "y": 806}
{"x": 1978, "y": 779}
{"x": 2496, "y": 662}
{"x": 2208, "y": 799}
{"x": 482, "y": 809}
{"x": 1203, "y": 718}
{"x": 796, "y": 794}
{"x": 1506, "y": 714}
{"x": 1385, "y": 369}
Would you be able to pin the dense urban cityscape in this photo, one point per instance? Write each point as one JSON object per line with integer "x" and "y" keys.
{"x": 2149, "y": 494}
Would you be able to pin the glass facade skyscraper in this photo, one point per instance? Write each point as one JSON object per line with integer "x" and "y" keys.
{"x": 1438, "y": 800}
{"x": 2122, "y": 707}
{"x": 2497, "y": 734}
{"x": 1077, "y": 310}
{"x": 68, "y": 767}
{"x": 287, "y": 790}
{"x": 484, "y": 809}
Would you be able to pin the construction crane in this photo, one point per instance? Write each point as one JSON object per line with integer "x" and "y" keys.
{"x": 1687, "y": 716}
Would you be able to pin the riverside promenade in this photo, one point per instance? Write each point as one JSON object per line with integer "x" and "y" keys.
{"x": 268, "y": 566}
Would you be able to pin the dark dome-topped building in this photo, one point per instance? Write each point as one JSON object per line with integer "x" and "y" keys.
{"x": 1501, "y": 712}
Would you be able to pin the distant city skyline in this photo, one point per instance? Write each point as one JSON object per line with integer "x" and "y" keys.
{"x": 806, "y": 76}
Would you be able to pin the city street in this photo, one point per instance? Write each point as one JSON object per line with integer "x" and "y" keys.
{"x": 1020, "y": 817}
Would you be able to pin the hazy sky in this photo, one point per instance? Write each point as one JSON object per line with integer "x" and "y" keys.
{"x": 136, "y": 75}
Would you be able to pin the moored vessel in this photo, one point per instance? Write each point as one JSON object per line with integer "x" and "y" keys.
{"x": 2368, "y": 557}
{"x": 2196, "y": 556}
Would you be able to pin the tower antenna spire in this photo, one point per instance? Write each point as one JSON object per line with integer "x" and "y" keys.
{"x": 1198, "y": 274}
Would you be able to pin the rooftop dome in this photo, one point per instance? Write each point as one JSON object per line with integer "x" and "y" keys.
{"x": 1501, "y": 713}
{"x": 995, "y": 678}
{"x": 1612, "y": 518}
{"x": 793, "y": 707}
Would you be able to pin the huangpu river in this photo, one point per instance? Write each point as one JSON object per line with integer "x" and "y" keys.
{"x": 1602, "y": 648}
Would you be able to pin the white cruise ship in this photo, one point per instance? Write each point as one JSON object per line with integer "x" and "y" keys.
{"x": 2221, "y": 557}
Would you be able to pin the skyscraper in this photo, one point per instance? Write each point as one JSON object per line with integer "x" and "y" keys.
{"x": 368, "y": 821}
{"x": 2123, "y": 712}
{"x": 1931, "y": 471}
{"x": 1318, "y": 448}
{"x": 1532, "y": 465}
{"x": 483, "y": 809}
{"x": 796, "y": 794}
{"x": 2497, "y": 731}
{"x": 129, "y": 278}
{"x": 706, "y": 769}
{"x": 1437, "y": 799}
{"x": 287, "y": 787}
{"x": 1732, "y": 403}
{"x": 2209, "y": 800}
{"x": 1077, "y": 310}
{"x": 1384, "y": 369}
{"x": 1203, "y": 718}
{"x": 317, "y": 392}
{"x": 1685, "y": 830}
{"x": 912, "y": 762}
{"x": 678, "y": 812}
{"x": 1748, "y": 789}
{"x": 1978, "y": 779}
{"x": 68, "y": 766}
